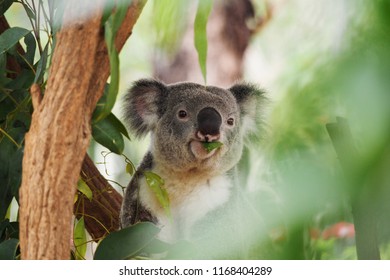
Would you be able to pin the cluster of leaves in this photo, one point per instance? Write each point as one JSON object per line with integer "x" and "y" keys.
{"x": 32, "y": 63}
{"x": 307, "y": 175}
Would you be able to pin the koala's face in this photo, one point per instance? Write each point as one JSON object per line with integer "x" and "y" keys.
{"x": 181, "y": 117}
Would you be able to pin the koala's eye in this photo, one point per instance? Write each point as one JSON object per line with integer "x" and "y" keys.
{"x": 182, "y": 114}
{"x": 230, "y": 121}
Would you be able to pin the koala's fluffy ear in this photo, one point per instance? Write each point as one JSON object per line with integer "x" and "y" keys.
{"x": 250, "y": 99}
{"x": 143, "y": 105}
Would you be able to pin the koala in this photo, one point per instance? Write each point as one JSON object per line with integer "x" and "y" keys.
{"x": 182, "y": 117}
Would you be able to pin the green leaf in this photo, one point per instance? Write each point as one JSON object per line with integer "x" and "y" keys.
{"x": 119, "y": 15}
{"x": 107, "y": 134}
{"x": 200, "y": 33}
{"x": 113, "y": 55}
{"x": 8, "y": 249}
{"x": 170, "y": 18}
{"x": 3, "y": 226}
{"x": 156, "y": 184}
{"x": 9, "y": 230}
{"x": 98, "y": 113}
{"x": 80, "y": 239}
{"x": 118, "y": 125}
{"x": 30, "y": 13}
{"x": 10, "y": 37}
{"x": 84, "y": 189}
{"x": 156, "y": 247}
{"x": 41, "y": 67}
{"x": 111, "y": 26}
{"x": 130, "y": 169}
{"x": 23, "y": 81}
{"x": 3, "y": 68}
{"x": 209, "y": 146}
{"x": 31, "y": 45}
{"x": 4, "y": 5}
{"x": 13, "y": 230}
{"x": 107, "y": 11}
{"x": 100, "y": 104}
{"x": 11, "y": 167}
{"x": 127, "y": 242}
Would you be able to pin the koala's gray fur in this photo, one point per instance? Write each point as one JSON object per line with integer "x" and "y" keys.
{"x": 196, "y": 181}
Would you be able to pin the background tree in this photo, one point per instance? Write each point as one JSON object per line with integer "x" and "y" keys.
{"x": 295, "y": 196}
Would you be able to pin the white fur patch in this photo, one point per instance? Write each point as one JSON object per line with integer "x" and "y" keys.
{"x": 203, "y": 199}
{"x": 248, "y": 124}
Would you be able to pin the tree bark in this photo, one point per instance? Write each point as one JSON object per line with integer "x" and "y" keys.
{"x": 60, "y": 130}
{"x": 101, "y": 213}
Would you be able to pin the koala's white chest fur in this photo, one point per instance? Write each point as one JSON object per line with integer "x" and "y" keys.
{"x": 190, "y": 201}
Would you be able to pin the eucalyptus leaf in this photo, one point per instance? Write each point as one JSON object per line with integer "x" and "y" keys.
{"x": 170, "y": 18}
{"x": 156, "y": 247}
{"x": 41, "y": 67}
{"x": 100, "y": 104}
{"x": 99, "y": 113}
{"x": 120, "y": 13}
{"x": 209, "y": 146}
{"x": 8, "y": 249}
{"x": 107, "y": 11}
{"x": 15, "y": 172}
{"x": 118, "y": 125}
{"x": 4, "y": 5}
{"x": 3, "y": 65}
{"x": 30, "y": 13}
{"x": 130, "y": 169}
{"x": 9, "y": 230}
{"x": 3, "y": 226}
{"x": 200, "y": 33}
{"x": 11, "y": 37}
{"x": 11, "y": 167}
{"x": 111, "y": 26}
{"x": 84, "y": 189}
{"x": 127, "y": 242}
{"x": 80, "y": 239}
{"x": 156, "y": 184}
{"x": 106, "y": 133}
{"x": 23, "y": 81}
{"x": 109, "y": 35}
{"x": 13, "y": 230}
{"x": 31, "y": 45}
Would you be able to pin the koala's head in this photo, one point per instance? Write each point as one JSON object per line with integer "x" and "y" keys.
{"x": 182, "y": 116}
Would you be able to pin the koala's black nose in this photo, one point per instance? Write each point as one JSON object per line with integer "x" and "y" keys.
{"x": 209, "y": 123}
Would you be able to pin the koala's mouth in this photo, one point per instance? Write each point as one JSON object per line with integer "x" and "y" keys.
{"x": 200, "y": 151}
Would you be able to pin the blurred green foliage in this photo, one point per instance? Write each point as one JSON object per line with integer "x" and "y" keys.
{"x": 353, "y": 83}
{"x": 296, "y": 186}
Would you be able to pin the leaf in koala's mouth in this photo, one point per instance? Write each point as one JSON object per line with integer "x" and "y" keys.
{"x": 209, "y": 146}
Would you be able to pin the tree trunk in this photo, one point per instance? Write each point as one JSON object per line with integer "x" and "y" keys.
{"x": 60, "y": 130}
